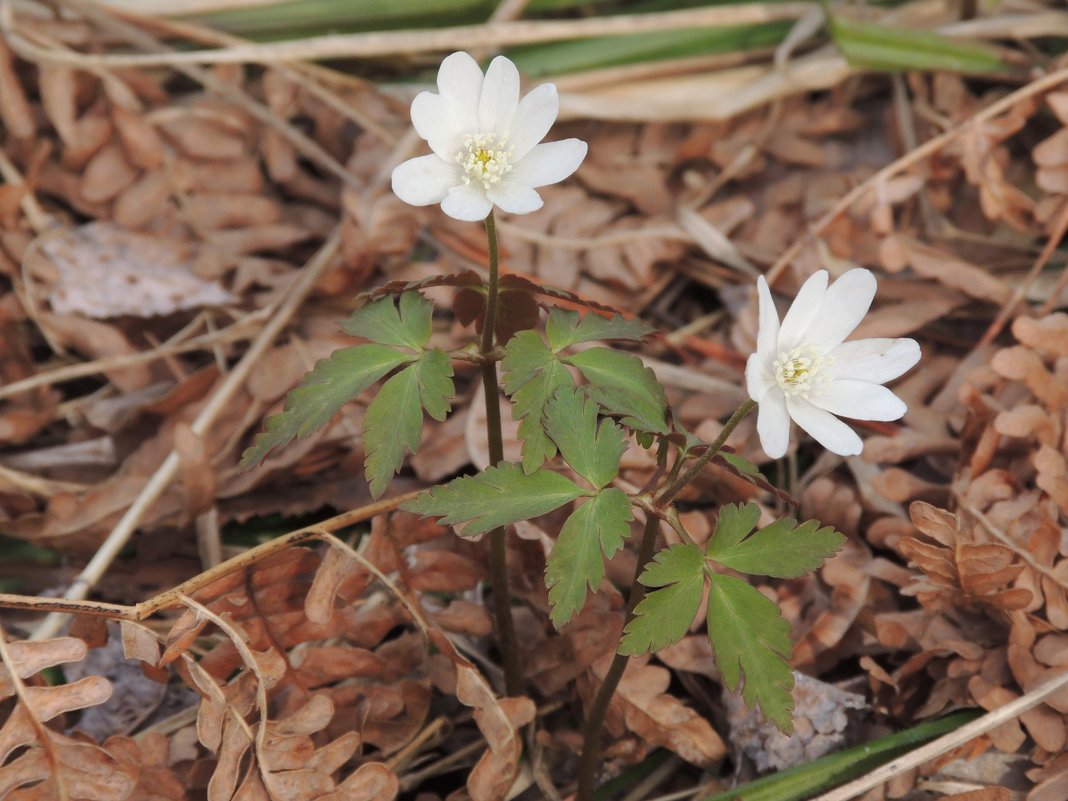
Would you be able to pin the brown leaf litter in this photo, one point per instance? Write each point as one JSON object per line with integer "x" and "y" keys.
{"x": 148, "y": 232}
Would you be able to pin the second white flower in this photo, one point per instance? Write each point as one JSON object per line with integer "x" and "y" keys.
{"x": 805, "y": 371}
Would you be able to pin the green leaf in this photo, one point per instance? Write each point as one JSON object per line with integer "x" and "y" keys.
{"x": 393, "y": 423}
{"x": 380, "y": 321}
{"x": 750, "y": 638}
{"x": 532, "y": 375}
{"x": 624, "y": 386}
{"x": 564, "y": 328}
{"x": 664, "y": 616}
{"x": 332, "y": 383}
{"x": 495, "y": 497}
{"x": 593, "y": 533}
{"x": 732, "y": 524}
{"x": 594, "y": 452}
{"x": 741, "y": 464}
{"x": 782, "y": 550}
{"x": 435, "y": 383}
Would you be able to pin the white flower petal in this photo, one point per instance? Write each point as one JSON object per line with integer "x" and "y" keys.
{"x": 861, "y": 400}
{"x": 533, "y": 118}
{"x": 844, "y": 306}
{"x": 767, "y": 322}
{"x": 824, "y": 427}
{"x": 436, "y": 121}
{"x": 514, "y": 197}
{"x": 460, "y": 83}
{"x": 773, "y": 423}
{"x": 876, "y": 360}
{"x": 499, "y": 98}
{"x": 803, "y": 311}
{"x": 758, "y": 375}
{"x": 549, "y": 162}
{"x": 424, "y": 180}
{"x": 466, "y": 202}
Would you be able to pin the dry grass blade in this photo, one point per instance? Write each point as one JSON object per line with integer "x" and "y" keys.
{"x": 369, "y": 45}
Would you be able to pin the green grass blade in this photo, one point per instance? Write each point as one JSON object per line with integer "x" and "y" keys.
{"x": 819, "y": 775}
{"x": 587, "y": 54}
{"x": 884, "y": 47}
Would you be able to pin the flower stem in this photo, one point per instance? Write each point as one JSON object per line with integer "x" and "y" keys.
{"x": 591, "y": 731}
{"x": 502, "y": 608}
{"x": 594, "y": 726}
{"x": 668, "y": 493}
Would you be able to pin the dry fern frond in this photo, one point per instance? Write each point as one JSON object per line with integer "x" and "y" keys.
{"x": 52, "y": 765}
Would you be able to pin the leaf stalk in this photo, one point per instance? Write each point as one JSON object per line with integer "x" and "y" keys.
{"x": 594, "y": 725}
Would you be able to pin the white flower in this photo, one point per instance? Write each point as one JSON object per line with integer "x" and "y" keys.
{"x": 485, "y": 142}
{"x": 804, "y": 370}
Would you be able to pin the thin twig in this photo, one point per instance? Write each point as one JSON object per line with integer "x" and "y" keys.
{"x": 172, "y": 597}
{"x": 165, "y": 474}
{"x": 1023, "y": 553}
{"x": 237, "y": 332}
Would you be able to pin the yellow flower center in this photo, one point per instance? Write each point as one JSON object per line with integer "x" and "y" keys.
{"x": 798, "y": 371}
{"x": 485, "y": 159}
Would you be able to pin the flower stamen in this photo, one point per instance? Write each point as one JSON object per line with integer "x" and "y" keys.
{"x": 485, "y": 159}
{"x": 797, "y": 372}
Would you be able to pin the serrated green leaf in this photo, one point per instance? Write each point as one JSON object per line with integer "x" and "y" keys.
{"x": 332, "y": 383}
{"x": 750, "y": 638}
{"x": 624, "y": 386}
{"x": 664, "y": 616}
{"x": 782, "y": 550}
{"x": 532, "y": 375}
{"x": 732, "y": 524}
{"x": 592, "y": 451}
{"x": 495, "y": 497}
{"x": 435, "y": 383}
{"x": 393, "y": 423}
{"x": 380, "y": 321}
{"x": 391, "y": 426}
{"x": 564, "y": 328}
{"x": 593, "y": 533}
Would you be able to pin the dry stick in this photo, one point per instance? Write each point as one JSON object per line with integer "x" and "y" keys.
{"x": 40, "y": 220}
{"x": 1007, "y": 541}
{"x": 928, "y": 148}
{"x": 948, "y": 742}
{"x": 232, "y": 333}
{"x": 1055, "y": 293}
{"x": 1057, "y": 234}
{"x": 172, "y": 597}
{"x": 167, "y": 471}
{"x": 367, "y": 45}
